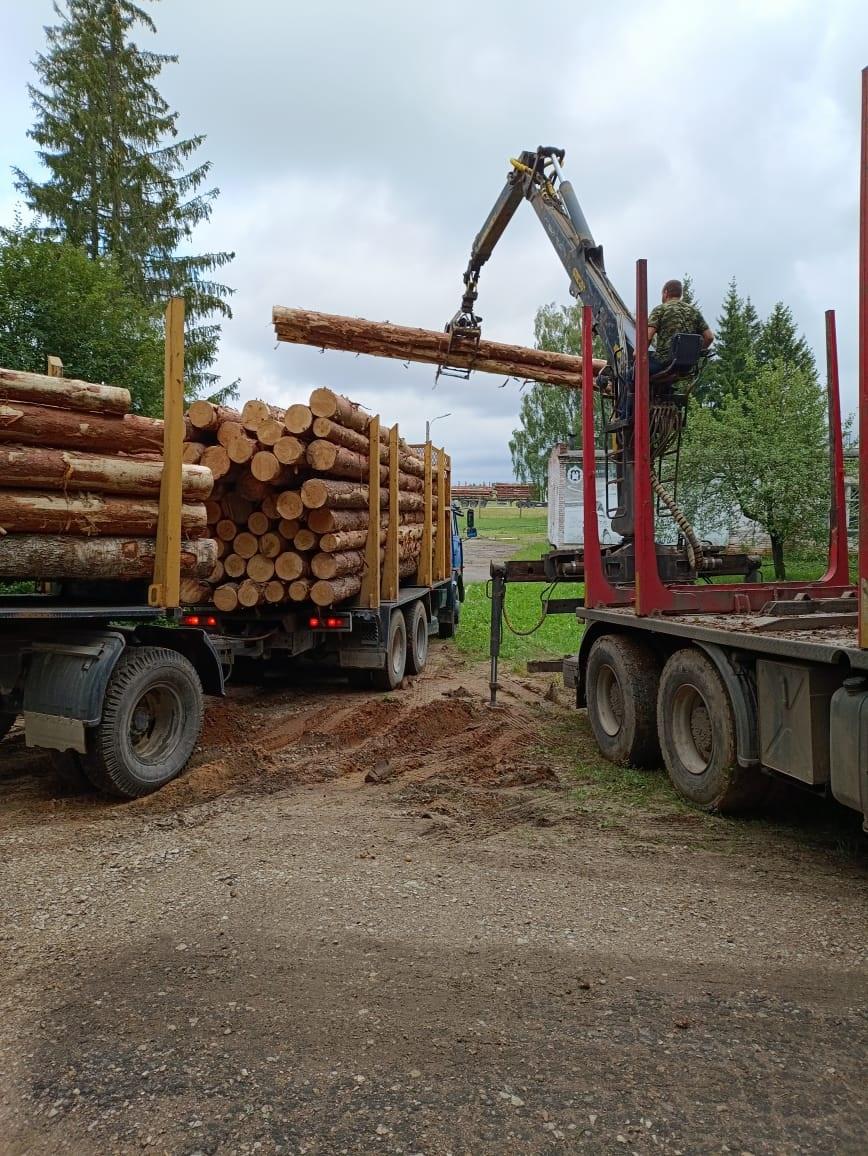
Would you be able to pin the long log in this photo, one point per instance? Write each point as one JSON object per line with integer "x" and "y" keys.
{"x": 337, "y": 565}
{"x": 205, "y": 415}
{"x": 225, "y": 597}
{"x": 289, "y": 451}
{"x": 327, "y": 593}
{"x": 299, "y": 590}
{"x": 429, "y": 346}
{"x": 53, "y": 556}
{"x": 66, "y": 392}
{"x": 290, "y": 565}
{"x": 298, "y": 419}
{"x": 333, "y": 543}
{"x": 35, "y": 512}
{"x": 39, "y": 468}
{"x": 324, "y": 521}
{"x": 319, "y": 492}
{"x": 274, "y": 591}
{"x": 30, "y": 424}
{"x": 216, "y": 459}
{"x": 289, "y": 504}
{"x": 332, "y": 431}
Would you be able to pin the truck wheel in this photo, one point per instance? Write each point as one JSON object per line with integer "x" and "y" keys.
{"x": 151, "y": 719}
{"x": 392, "y": 674}
{"x": 697, "y": 737}
{"x": 621, "y": 692}
{"x": 416, "y": 623}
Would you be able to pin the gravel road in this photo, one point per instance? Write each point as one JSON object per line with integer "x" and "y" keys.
{"x": 462, "y": 954}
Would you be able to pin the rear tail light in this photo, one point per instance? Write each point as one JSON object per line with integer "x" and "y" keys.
{"x": 199, "y": 620}
{"x": 330, "y": 622}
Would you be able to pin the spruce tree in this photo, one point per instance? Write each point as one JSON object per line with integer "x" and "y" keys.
{"x": 735, "y": 339}
{"x": 118, "y": 178}
{"x": 780, "y": 341}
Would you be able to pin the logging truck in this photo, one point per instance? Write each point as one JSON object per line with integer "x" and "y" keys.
{"x": 104, "y": 659}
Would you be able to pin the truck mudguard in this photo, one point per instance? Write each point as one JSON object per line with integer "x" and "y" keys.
{"x": 195, "y": 645}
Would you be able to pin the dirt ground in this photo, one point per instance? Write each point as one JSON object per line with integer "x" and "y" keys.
{"x": 409, "y": 924}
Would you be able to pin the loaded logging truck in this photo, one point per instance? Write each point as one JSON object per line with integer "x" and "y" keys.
{"x": 729, "y": 684}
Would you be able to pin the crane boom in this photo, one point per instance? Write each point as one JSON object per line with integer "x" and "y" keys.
{"x": 537, "y": 177}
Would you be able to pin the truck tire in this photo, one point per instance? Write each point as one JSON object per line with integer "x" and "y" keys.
{"x": 697, "y": 737}
{"x": 151, "y": 719}
{"x": 621, "y": 693}
{"x": 391, "y": 675}
{"x": 416, "y": 622}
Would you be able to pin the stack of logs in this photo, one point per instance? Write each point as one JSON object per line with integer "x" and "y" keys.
{"x": 289, "y": 509}
{"x": 80, "y": 482}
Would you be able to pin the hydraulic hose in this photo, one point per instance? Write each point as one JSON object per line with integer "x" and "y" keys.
{"x": 692, "y": 543}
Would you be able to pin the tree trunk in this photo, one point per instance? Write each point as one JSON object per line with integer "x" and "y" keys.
{"x": 43, "y": 426}
{"x": 332, "y": 543}
{"x": 290, "y": 451}
{"x": 319, "y": 492}
{"x": 225, "y": 597}
{"x": 64, "y": 392}
{"x": 327, "y": 593}
{"x": 299, "y": 591}
{"x": 305, "y": 539}
{"x": 331, "y": 431}
{"x": 205, "y": 415}
{"x": 216, "y": 459}
{"x": 271, "y": 544}
{"x": 34, "y": 512}
{"x": 260, "y": 568}
{"x": 431, "y": 347}
{"x": 289, "y": 504}
{"x": 35, "y": 467}
{"x": 337, "y": 565}
{"x": 289, "y": 566}
{"x": 52, "y": 556}
{"x": 234, "y": 566}
{"x": 778, "y": 557}
{"x": 270, "y": 432}
{"x": 298, "y": 419}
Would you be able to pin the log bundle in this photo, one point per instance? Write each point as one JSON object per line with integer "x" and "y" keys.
{"x": 80, "y": 484}
{"x": 292, "y": 503}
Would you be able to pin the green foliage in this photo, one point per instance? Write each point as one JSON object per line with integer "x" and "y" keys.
{"x": 763, "y": 451}
{"x": 548, "y": 414}
{"x": 119, "y": 181}
{"x": 54, "y": 299}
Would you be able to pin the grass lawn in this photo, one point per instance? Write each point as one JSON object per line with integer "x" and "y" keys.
{"x": 558, "y": 635}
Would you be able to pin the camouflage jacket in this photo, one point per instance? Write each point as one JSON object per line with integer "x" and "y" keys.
{"x": 674, "y": 317}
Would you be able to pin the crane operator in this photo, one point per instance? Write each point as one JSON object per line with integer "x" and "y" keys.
{"x": 673, "y": 315}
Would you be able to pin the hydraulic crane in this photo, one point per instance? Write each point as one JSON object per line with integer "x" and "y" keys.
{"x": 538, "y": 178}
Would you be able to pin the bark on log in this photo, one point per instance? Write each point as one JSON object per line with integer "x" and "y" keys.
{"x": 205, "y": 415}
{"x": 339, "y": 462}
{"x": 65, "y": 392}
{"x": 36, "y": 467}
{"x": 327, "y": 593}
{"x": 333, "y": 543}
{"x": 337, "y": 565}
{"x": 290, "y": 565}
{"x": 289, "y": 451}
{"x": 52, "y": 556}
{"x": 225, "y": 597}
{"x": 331, "y": 431}
{"x": 324, "y": 521}
{"x": 42, "y": 425}
{"x": 35, "y": 512}
{"x": 319, "y": 492}
{"x": 299, "y": 591}
{"x": 260, "y": 568}
{"x": 431, "y": 347}
{"x": 298, "y": 419}
{"x": 327, "y": 403}
{"x": 289, "y": 504}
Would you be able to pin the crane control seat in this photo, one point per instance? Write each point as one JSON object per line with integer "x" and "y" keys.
{"x": 686, "y": 351}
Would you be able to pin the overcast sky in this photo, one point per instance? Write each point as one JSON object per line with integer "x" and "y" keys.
{"x": 359, "y": 146}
